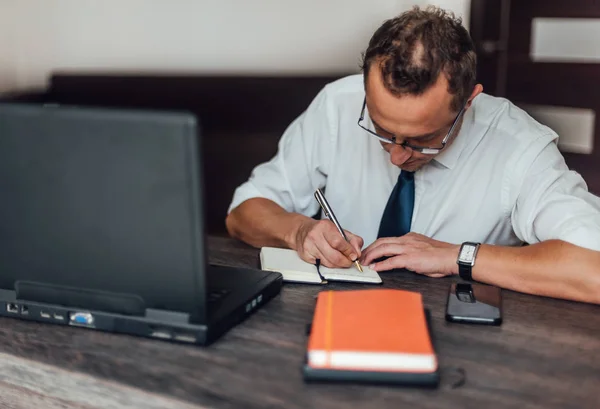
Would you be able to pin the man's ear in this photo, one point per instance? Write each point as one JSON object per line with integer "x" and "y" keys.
{"x": 478, "y": 89}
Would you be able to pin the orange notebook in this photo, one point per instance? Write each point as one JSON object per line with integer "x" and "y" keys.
{"x": 379, "y": 335}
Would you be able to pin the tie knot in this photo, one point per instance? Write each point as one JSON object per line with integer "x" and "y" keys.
{"x": 406, "y": 175}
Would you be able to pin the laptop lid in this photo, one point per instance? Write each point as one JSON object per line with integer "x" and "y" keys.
{"x": 102, "y": 208}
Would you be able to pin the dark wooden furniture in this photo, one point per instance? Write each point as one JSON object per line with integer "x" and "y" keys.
{"x": 545, "y": 355}
{"x": 241, "y": 117}
{"x": 502, "y": 32}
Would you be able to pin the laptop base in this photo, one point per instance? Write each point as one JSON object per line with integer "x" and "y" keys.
{"x": 252, "y": 289}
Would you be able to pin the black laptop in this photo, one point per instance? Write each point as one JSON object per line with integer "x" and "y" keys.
{"x": 102, "y": 226}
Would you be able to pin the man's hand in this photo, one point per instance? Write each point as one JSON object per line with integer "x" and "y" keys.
{"x": 413, "y": 252}
{"x": 321, "y": 240}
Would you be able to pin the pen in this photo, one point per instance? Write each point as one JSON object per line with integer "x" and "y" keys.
{"x": 329, "y": 213}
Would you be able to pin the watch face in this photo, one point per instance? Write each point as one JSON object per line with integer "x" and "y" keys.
{"x": 467, "y": 253}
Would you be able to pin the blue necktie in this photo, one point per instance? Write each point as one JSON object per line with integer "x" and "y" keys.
{"x": 398, "y": 212}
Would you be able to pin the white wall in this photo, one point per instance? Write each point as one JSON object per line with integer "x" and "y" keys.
{"x": 7, "y": 57}
{"x": 225, "y": 36}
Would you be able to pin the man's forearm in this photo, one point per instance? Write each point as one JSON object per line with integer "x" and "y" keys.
{"x": 552, "y": 268}
{"x": 261, "y": 222}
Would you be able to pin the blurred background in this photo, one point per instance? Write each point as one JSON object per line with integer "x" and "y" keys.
{"x": 249, "y": 67}
{"x": 200, "y": 36}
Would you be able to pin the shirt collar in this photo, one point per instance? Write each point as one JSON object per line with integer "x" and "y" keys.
{"x": 449, "y": 156}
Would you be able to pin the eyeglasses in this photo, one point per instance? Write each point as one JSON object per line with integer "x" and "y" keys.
{"x": 421, "y": 149}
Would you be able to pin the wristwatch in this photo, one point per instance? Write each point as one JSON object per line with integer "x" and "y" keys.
{"x": 466, "y": 259}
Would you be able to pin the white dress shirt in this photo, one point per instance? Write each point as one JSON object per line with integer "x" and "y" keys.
{"x": 501, "y": 181}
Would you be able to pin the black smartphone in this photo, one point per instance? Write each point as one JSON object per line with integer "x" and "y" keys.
{"x": 474, "y": 303}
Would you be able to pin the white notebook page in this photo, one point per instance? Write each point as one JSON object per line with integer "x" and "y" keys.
{"x": 293, "y": 268}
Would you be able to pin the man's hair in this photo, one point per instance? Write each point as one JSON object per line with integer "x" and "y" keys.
{"x": 413, "y": 48}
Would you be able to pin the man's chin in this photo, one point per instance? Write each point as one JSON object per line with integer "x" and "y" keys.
{"x": 412, "y": 167}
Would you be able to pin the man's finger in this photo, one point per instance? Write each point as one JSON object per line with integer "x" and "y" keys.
{"x": 383, "y": 250}
{"x": 312, "y": 256}
{"x": 331, "y": 256}
{"x": 337, "y": 242}
{"x": 316, "y": 246}
{"x": 387, "y": 240}
{"x": 357, "y": 242}
{"x": 377, "y": 243}
{"x": 391, "y": 263}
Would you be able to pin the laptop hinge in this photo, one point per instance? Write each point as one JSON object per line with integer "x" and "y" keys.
{"x": 117, "y": 303}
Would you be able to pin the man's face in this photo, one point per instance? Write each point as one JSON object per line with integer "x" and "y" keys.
{"x": 422, "y": 120}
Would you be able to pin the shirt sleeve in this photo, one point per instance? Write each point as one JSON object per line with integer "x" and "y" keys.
{"x": 301, "y": 163}
{"x": 552, "y": 201}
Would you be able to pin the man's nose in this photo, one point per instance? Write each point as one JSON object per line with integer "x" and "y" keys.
{"x": 399, "y": 154}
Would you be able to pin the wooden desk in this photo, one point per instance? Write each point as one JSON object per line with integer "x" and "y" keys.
{"x": 546, "y": 354}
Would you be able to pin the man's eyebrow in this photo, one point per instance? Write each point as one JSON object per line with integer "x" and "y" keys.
{"x": 423, "y": 136}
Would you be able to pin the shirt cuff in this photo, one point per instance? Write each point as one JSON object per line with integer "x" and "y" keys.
{"x": 248, "y": 190}
{"x": 583, "y": 236}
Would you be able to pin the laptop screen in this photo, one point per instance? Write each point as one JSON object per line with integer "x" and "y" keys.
{"x": 104, "y": 201}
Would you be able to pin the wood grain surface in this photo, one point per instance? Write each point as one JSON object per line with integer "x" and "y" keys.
{"x": 546, "y": 354}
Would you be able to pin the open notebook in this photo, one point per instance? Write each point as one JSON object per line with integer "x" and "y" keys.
{"x": 294, "y": 269}
{"x": 374, "y": 335}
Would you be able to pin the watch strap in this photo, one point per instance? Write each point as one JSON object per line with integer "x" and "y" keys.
{"x": 465, "y": 270}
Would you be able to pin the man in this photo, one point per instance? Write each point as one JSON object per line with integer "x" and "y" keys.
{"x": 432, "y": 168}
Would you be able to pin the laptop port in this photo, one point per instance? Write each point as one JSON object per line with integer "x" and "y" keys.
{"x": 44, "y": 314}
{"x": 12, "y": 308}
{"x": 81, "y": 318}
{"x": 58, "y": 317}
{"x": 24, "y": 310}
{"x": 161, "y": 334}
{"x": 186, "y": 338}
